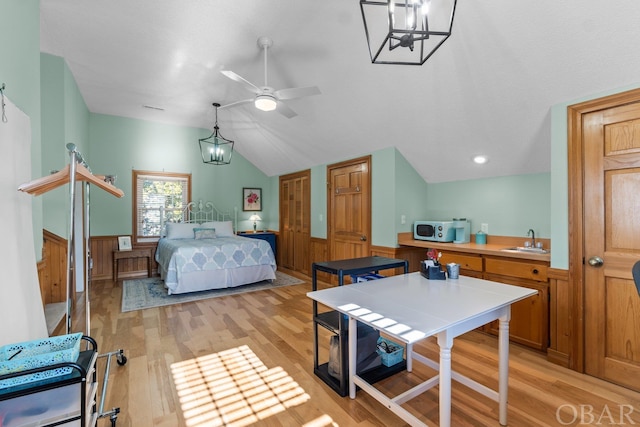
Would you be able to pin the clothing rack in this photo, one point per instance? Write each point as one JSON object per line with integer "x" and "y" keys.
{"x": 78, "y": 171}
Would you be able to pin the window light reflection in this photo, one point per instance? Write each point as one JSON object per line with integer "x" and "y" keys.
{"x": 380, "y": 322}
{"x": 233, "y": 388}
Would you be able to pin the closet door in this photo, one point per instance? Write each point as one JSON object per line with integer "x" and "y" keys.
{"x": 285, "y": 248}
{"x": 295, "y": 219}
{"x": 302, "y": 218}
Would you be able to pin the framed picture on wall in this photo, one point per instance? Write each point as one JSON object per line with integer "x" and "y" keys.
{"x": 124, "y": 243}
{"x": 252, "y": 199}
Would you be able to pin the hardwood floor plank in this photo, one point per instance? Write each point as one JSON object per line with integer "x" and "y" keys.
{"x": 275, "y": 325}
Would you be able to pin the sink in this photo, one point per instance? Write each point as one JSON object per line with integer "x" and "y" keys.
{"x": 525, "y": 249}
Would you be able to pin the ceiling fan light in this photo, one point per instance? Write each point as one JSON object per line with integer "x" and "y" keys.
{"x": 265, "y": 103}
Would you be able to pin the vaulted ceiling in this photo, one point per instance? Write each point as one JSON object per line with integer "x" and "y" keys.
{"x": 487, "y": 90}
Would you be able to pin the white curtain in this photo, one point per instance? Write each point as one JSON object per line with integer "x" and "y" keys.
{"x": 21, "y": 311}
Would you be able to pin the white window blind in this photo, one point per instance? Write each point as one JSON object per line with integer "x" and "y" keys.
{"x": 154, "y": 192}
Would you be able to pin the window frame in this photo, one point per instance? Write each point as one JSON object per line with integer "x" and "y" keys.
{"x": 134, "y": 203}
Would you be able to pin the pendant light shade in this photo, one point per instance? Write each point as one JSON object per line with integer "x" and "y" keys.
{"x": 216, "y": 149}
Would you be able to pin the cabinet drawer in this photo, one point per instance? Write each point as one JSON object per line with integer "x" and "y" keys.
{"x": 467, "y": 262}
{"x": 522, "y": 269}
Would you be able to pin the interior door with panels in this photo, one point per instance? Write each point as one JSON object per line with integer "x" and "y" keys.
{"x": 612, "y": 243}
{"x": 349, "y": 209}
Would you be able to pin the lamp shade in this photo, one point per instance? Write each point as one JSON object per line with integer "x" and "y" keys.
{"x": 255, "y": 217}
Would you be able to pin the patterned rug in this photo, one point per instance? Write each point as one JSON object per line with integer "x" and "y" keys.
{"x": 139, "y": 294}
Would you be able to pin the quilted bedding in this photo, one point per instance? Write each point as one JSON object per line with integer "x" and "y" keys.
{"x": 181, "y": 257}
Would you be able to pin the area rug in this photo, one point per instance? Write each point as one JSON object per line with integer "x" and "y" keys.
{"x": 139, "y": 294}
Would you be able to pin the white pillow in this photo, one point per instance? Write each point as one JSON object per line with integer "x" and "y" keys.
{"x": 223, "y": 228}
{"x": 179, "y": 230}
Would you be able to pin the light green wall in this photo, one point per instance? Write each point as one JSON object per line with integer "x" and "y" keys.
{"x": 319, "y": 201}
{"x": 119, "y": 145}
{"x": 20, "y": 72}
{"x": 411, "y": 195}
{"x": 65, "y": 119}
{"x": 509, "y": 205}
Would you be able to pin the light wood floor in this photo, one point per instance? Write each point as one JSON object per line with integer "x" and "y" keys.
{"x": 164, "y": 382}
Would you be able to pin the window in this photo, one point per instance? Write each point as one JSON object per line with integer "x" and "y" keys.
{"x": 153, "y": 191}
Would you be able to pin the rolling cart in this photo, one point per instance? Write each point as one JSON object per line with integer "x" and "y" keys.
{"x": 78, "y": 170}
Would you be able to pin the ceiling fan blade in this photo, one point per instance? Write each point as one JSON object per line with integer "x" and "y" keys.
{"x": 284, "y": 109}
{"x": 297, "y": 92}
{"x": 235, "y": 104}
{"x": 246, "y": 83}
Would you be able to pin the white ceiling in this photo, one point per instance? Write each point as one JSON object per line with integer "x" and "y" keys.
{"x": 487, "y": 90}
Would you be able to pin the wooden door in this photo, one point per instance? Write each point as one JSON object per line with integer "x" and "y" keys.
{"x": 611, "y": 192}
{"x": 349, "y": 209}
{"x": 295, "y": 221}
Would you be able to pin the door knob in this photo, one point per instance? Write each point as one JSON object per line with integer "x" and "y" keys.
{"x": 596, "y": 261}
{"x": 363, "y": 238}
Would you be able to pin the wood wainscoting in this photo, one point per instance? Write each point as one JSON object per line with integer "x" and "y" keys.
{"x": 52, "y": 270}
{"x": 102, "y": 248}
{"x": 560, "y": 318}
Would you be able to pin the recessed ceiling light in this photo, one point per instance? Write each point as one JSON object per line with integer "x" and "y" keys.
{"x": 480, "y": 159}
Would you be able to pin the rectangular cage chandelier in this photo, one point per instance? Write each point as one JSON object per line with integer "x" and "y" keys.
{"x": 406, "y": 32}
{"x": 216, "y": 149}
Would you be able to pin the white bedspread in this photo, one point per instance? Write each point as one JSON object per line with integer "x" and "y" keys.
{"x": 189, "y": 265}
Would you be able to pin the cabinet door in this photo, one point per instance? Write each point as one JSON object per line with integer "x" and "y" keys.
{"x": 470, "y": 265}
{"x": 529, "y": 323}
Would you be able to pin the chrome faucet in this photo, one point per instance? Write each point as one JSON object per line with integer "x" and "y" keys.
{"x": 533, "y": 237}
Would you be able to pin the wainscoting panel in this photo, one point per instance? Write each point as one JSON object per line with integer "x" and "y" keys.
{"x": 53, "y": 269}
{"x": 102, "y": 248}
{"x": 560, "y": 319}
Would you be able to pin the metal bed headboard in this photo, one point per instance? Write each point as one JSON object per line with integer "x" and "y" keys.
{"x": 197, "y": 213}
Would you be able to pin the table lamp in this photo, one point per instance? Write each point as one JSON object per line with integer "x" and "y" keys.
{"x": 255, "y": 218}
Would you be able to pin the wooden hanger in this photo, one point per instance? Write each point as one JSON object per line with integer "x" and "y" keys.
{"x": 47, "y": 183}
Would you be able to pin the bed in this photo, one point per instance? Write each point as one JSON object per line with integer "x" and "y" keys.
{"x": 199, "y": 250}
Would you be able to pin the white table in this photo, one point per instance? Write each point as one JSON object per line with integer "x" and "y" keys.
{"x": 410, "y": 308}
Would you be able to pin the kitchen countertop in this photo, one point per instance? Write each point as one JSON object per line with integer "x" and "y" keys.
{"x": 491, "y": 248}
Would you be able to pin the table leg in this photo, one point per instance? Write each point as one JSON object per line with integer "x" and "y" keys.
{"x": 503, "y": 367}
{"x": 445, "y": 342}
{"x": 353, "y": 348}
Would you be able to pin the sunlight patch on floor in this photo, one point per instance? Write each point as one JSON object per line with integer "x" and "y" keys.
{"x": 233, "y": 388}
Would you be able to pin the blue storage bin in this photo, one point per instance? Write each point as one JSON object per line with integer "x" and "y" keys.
{"x": 37, "y": 354}
{"x": 356, "y": 278}
{"x": 395, "y": 352}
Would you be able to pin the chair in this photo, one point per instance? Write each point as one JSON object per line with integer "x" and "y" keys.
{"x": 636, "y": 275}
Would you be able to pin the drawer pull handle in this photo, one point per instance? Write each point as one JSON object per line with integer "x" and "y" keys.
{"x": 535, "y": 271}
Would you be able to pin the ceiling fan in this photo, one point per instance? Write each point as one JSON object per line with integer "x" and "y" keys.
{"x": 266, "y": 98}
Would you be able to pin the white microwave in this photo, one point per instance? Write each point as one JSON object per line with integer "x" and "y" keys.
{"x": 434, "y": 231}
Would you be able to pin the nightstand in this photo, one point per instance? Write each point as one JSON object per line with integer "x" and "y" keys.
{"x": 262, "y": 235}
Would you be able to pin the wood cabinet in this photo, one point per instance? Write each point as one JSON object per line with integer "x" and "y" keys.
{"x": 470, "y": 265}
{"x": 295, "y": 221}
{"x": 530, "y": 317}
